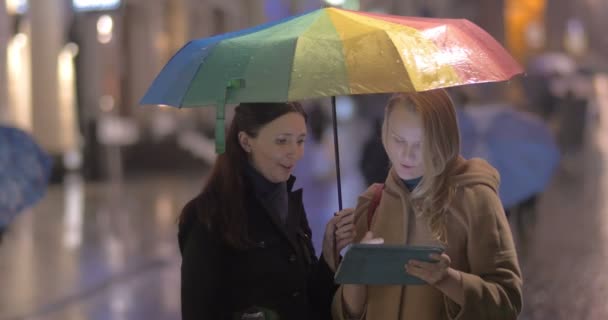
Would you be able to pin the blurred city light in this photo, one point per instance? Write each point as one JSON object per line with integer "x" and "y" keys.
{"x": 345, "y": 108}
{"x": 575, "y": 38}
{"x": 335, "y": 2}
{"x": 91, "y": 5}
{"x": 19, "y": 84}
{"x": 16, "y": 6}
{"x": 74, "y": 211}
{"x": 66, "y": 65}
{"x": 106, "y": 103}
{"x": 105, "y": 26}
{"x": 67, "y": 98}
{"x": 535, "y": 35}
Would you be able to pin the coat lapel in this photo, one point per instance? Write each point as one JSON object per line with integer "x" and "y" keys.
{"x": 289, "y": 229}
{"x": 391, "y": 222}
{"x": 393, "y": 215}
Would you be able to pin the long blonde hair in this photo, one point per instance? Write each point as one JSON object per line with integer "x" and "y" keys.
{"x": 441, "y": 147}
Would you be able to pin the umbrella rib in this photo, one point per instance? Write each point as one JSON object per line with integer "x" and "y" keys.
{"x": 235, "y": 36}
{"x": 380, "y": 30}
{"x": 403, "y": 64}
{"x": 295, "y": 50}
{"x": 347, "y": 16}
{"x": 190, "y": 83}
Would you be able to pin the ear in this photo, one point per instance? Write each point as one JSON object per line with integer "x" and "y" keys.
{"x": 245, "y": 142}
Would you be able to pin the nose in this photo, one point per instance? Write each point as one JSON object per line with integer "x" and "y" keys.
{"x": 407, "y": 153}
{"x": 292, "y": 150}
{"x": 295, "y": 151}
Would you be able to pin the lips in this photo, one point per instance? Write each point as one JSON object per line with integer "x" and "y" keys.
{"x": 286, "y": 167}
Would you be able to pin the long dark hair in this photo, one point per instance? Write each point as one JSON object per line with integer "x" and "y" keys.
{"x": 222, "y": 199}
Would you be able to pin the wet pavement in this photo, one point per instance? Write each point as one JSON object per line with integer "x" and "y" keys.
{"x": 564, "y": 247}
{"x": 109, "y": 251}
{"x": 96, "y": 252}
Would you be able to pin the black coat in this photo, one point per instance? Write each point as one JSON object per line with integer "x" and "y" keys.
{"x": 281, "y": 272}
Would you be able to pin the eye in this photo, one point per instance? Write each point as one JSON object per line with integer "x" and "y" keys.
{"x": 397, "y": 139}
{"x": 281, "y": 141}
{"x": 301, "y": 141}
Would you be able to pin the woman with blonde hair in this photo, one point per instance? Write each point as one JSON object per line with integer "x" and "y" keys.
{"x": 433, "y": 196}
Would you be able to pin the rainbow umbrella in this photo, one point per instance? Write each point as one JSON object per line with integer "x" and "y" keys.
{"x": 326, "y": 53}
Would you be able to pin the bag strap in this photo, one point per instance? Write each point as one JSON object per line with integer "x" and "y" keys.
{"x": 374, "y": 204}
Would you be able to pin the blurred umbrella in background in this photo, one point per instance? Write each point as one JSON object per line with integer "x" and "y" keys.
{"x": 24, "y": 173}
{"x": 518, "y": 144}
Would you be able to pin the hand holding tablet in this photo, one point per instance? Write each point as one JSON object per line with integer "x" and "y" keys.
{"x": 379, "y": 264}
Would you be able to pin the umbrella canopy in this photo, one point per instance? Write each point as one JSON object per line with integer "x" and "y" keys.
{"x": 330, "y": 52}
{"x": 24, "y": 172}
{"x": 327, "y": 53}
{"x": 518, "y": 144}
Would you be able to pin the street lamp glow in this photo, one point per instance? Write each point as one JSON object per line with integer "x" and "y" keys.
{"x": 21, "y": 39}
{"x": 335, "y": 2}
{"x": 72, "y": 48}
{"x": 16, "y": 6}
{"x": 105, "y": 26}
{"x": 91, "y": 5}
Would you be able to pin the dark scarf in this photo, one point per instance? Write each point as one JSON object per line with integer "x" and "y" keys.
{"x": 411, "y": 184}
{"x": 275, "y": 194}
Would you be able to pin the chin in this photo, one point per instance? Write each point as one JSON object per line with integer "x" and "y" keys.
{"x": 408, "y": 175}
{"x": 281, "y": 178}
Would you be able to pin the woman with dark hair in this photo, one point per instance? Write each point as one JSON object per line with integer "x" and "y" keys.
{"x": 245, "y": 240}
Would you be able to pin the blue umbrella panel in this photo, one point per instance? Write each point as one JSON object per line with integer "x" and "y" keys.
{"x": 24, "y": 173}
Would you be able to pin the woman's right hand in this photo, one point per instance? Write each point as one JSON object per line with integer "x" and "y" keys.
{"x": 339, "y": 232}
{"x": 345, "y": 231}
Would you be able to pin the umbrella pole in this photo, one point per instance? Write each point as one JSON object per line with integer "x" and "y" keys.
{"x": 337, "y": 156}
{"x": 336, "y": 150}
{"x": 220, "y": 128}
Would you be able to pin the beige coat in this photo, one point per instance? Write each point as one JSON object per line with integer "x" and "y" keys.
{"x": 480, "y": 245}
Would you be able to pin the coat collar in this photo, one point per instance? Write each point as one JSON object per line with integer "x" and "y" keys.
{"x": 290, "y": 182}
{"x": 294, "y": 205}
{"x": 395, "y": 186}
{"x": 262, "y": 186}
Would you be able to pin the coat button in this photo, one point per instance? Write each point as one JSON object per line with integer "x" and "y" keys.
{"x": 262, "y": 244}
{"x": 292, "y": 258}
{"x": 295, "y": 294}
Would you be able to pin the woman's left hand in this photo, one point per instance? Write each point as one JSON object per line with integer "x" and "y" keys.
{"x": 431, "y": 272}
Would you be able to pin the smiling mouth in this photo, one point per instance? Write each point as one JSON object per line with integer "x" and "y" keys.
{"x": 287, "y": 167}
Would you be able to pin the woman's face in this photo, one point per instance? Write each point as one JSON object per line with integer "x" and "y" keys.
{"x": 404, "y": 142}
{"x": 278, "y": 146}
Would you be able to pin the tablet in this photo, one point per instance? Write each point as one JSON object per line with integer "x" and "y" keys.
{"x": 382, "y": 264}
